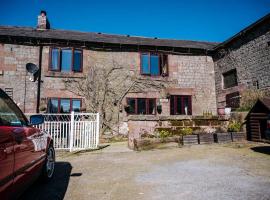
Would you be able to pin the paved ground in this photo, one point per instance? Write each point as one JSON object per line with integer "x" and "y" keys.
{"x": 209, "y": 172}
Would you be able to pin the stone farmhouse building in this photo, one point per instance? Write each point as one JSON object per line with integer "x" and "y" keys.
{"x": 166, "y": 79}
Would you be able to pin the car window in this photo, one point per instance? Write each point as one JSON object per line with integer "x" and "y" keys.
{"x": 10, "y": 114}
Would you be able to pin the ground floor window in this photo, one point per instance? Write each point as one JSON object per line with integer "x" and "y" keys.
{"x": 141, "y": 106}
{"x": 64, "y": 105}
{"x": 233, "y": 100}
{"x": 180, "y": 105}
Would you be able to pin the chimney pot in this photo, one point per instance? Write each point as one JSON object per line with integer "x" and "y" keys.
{"x": 43, "y": 22}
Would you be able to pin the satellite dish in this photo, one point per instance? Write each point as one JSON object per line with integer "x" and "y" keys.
{"x": 33, "y": 70}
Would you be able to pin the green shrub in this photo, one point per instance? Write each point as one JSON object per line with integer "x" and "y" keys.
{"x": 163, "y": 134}
{"x": 249, "y": 98}
{"x": 186, "y": 131}
{"x": 234, "y": 126}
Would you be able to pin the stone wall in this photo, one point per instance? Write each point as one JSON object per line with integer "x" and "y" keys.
{"x": 188, "y": 75}
{"x": 13, "y": 59}
{"x": 250, "y": 56}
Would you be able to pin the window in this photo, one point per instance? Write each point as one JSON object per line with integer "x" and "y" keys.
{"x": 58, "y": 105}
{"x": 55, "y": 58}
{"x": 66, "y": 60}
{"x": 141, "y": 106}
{"x": 154, "y": 64}
{"x": 10, "y": 114}
{"x": 233, "y": 100}
{"x": 230, "y": 79}
{"x": 180, "y": 105}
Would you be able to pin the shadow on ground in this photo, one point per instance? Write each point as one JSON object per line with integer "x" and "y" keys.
{"x": 55, "y": 189}
{"x": 262, "y": 149}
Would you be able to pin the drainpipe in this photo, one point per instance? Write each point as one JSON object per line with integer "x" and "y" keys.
{"x": 39, "y": 78}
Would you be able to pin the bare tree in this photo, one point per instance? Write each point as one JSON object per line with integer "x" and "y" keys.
{"x": 105, "y": 86}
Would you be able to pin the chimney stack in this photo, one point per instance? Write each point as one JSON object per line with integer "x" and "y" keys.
{"x": 43, "y": 22}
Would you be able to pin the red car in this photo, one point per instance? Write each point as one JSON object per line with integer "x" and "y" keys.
{"x": 26, "y": 153}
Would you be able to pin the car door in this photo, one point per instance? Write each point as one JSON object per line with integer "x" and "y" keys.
{"x": 27, "y": 158}
{"x": 6, "y": 158}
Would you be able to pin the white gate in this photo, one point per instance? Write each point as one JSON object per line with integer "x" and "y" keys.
{"x": 74, "y": 131}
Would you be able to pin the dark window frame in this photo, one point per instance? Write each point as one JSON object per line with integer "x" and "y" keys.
{"x": 59, "y": 103}
{"x": 230, "y": 72}
{"x": 161, "y": 57}
{"x": 233, "y": 100}
{"x": 146, "y": 106}
{"x": 59, "y": 63}
{"x": 175, "y": 105}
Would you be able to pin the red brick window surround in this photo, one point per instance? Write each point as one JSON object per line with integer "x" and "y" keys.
{"x": 141, "y": 106}
{"x": 66, "y": 59}
{"x": 154, "y": 64}
{"x": 64, "y": 105}
{"x": 180, "y": 105}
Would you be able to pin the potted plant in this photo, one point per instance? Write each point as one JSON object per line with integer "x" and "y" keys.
{"x": 221, "y": 111}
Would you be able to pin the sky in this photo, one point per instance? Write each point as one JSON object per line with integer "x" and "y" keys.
{"x": 202, "y": 20}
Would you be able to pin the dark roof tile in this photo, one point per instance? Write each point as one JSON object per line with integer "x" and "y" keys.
{"x": 15, "y": 31}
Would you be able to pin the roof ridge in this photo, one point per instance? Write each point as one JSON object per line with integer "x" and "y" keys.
{"x": 114, "y": 34}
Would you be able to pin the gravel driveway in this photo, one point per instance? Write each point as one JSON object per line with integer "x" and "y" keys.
{"x": 233, "y": 171}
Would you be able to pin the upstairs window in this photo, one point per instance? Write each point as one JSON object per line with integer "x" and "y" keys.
{"x": 180, "y": 105}
{"x": 64, "y": 105}
{"x": 66, "y": 60}
{"x": 230, "y": 79}
{"x": 153, "y": 64}
{"x": 141, "y": 106}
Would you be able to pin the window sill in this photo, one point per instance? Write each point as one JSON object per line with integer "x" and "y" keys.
{"x": 229, "y": 88}
{"x": 64, "y": 74}
{"x": 148, "y": 77}
{"x": 157, "y": 117}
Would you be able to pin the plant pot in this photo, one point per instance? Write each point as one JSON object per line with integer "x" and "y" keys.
{"x": 228, "y": 111}
{"x": 221, "y": 111}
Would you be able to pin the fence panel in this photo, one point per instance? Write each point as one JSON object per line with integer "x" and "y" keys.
{"x": 74, "y": 131}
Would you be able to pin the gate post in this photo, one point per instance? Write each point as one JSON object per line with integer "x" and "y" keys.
{"x": 71, "y": 131}
{"x": 97, "y": 130}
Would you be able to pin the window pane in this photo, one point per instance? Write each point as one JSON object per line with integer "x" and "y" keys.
{"x": 154, "y": 65}
{"x": 151, "y": 106}
{"x": 54, "y": 59}
{"x": 179, "y": 105}
{"x": 64, "y": 106}
{"x": 76, "y": 105}
{"x": 77, "y": 60}
{"x": 66, "y": 60}
{"x": 141, "y": 106}
{"x": 186, "y": 106}
{"x": 53, "y": 106}
{"x": 145, "y": 64}
{"x": 230, "y": 79}
{"x": 131, "y": 103}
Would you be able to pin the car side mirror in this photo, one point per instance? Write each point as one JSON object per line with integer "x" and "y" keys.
{"x": 36, "y": 119}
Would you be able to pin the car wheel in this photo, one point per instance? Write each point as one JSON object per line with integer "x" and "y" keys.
{"x": 48, "y": 167}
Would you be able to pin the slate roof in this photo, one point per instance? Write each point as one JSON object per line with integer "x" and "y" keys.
{"x": 266, "y": 101}
{"x": 14, "y": 31}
